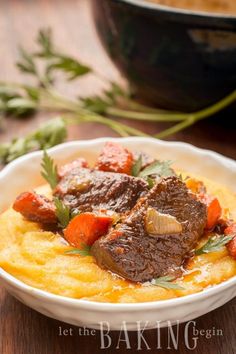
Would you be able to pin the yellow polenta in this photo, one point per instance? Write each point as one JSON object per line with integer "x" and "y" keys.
{"x": 38, "y": 258}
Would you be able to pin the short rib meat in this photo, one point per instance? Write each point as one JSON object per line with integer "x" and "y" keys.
{"x": 88, "y": 190}
{"x": 130, "y": 251}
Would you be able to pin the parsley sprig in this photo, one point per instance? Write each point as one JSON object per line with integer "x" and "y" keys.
{"x": 214, "y": 244}
{"x": 166, "y": 283}
{"x": 53, "y": 59}
{"x": 157, "y": 168}
{"x": 26, "y": 63}
{"x": 20, "y": 99}
{"x": 137, "y": 166}
{"x": 62, "y": 212}
{"x": 84, "y": 251}
{"x": 49, "y": 170}
{"x": 50, "y": 174}
{"x": 49, "y": 134}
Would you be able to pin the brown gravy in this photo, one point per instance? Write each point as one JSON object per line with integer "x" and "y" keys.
{"x": 217, "y": 6}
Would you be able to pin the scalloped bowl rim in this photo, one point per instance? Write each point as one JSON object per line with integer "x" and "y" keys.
{"x": 119, "y": 306}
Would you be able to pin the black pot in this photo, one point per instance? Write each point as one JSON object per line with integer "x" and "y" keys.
{"x": 177, "y": 59}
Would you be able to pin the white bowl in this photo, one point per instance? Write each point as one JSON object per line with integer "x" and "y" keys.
{"x": 24, "y": 173}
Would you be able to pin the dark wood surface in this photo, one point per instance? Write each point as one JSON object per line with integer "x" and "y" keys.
{"x": 23, "y": 330}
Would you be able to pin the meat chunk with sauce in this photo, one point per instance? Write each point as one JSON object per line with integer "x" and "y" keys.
{"x": 65, "y": 169}
{"x": 88, "y": 190}
{"x": 134, "y": 251}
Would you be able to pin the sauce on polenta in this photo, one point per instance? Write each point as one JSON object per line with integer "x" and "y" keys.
{"x": 40, "y": 258}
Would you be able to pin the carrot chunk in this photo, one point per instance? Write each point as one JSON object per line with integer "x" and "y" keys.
{"x": 115, "y": 158}
{"x": 214, "y": 210}
{"x": 231, "y": 246}
{"x": 231, "y": 229}
{"x": 86, "y": 229}
{"x": 65, "y": 169}
{"x": 35, "y": 207}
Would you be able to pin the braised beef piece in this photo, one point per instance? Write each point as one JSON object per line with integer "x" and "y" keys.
{"x": 130, "y": 251}
{"x": 87, "y": 190}
{"x": 65, "y": 169}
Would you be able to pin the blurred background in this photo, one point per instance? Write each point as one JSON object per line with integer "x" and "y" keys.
{"x": 74, "y": 32}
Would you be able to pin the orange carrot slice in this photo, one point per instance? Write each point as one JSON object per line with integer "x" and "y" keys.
{"x": 85, "y": 229}
{"x": 231, "y": 246}
{"x": 231, "y": 229}
{"x": 214, "y": 210}
{"x": 115, "y": 158}
{"x": 35, "y": 207}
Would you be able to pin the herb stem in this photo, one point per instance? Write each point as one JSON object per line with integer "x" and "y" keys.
{"x": 112, "y": 124}
{"x": 78, "y": 119}
{"x": 202, "y": 114}
{"x": 51, "y": 100}
{"x": 176, "y": 128}
{"x": 120, "y": 128}
{"x": 216, "y": 107}
{"x": 151, "y": 117}
{"x": 136, "y": 106}
{"x": 166, "y": 116}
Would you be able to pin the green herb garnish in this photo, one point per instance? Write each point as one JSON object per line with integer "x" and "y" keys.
{"x": 62, "y": 212}
{"x": 160, "y": 168}
{"x": 103, "y": 104}
{"x": 55, "y": 60}
{"x": 51, "y": 133}
{"x": 84, "y": 251}
{"x": 151, "y": 182}
{"x": 166, "y": 283}
{"x": 137, "y": 167}
{"x": 214, "y": 244}
{"x": 26, "y": 64}
{"x": 48, "y": 135}
{"x": 12, "y": 102}
{"x": 49, "y": 172}
{"x": 68, "y": 65}
{"x": 44, "y": 41}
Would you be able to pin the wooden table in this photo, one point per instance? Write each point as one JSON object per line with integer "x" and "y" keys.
{"x": 22, "y": 330}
